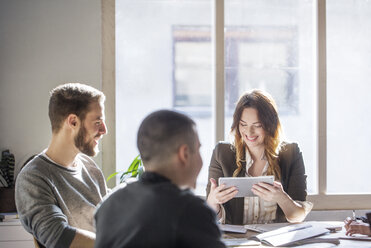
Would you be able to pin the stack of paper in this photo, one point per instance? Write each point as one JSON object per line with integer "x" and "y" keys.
{"x": 284, "y": 234}
{"x": 240, "y": 242}
{"x": 232, "y": 228}
{"x": 293, "y": 234}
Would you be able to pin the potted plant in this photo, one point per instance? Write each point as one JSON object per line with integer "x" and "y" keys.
{"x": 134, "y": 171}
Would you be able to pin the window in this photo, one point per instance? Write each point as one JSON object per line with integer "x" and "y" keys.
{"x": 249, "y": 65}
{"x": 348, "y": 96}
{"x": 271, "y": 48}
{"x": 165, "y": 59}
{"x": 192, "y": 69}
{"x": 145, "y": 72}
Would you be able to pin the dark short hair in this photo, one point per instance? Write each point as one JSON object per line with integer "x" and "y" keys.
{"x": 163, "y": 132}
{"x": 71, "y": 98}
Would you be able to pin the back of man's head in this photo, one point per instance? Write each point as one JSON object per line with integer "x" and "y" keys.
{"x": 162, "y": 133}
{"x": 72, "y": 98}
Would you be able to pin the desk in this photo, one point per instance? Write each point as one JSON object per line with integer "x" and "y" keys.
{"x": 13, "y": 235}
{"x": 343, "y": 243}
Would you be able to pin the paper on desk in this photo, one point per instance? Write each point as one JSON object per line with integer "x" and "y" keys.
{"x": 291, "y": 236}
{"x": 232, "y": 228}
{"x": 240, "y": 242}
{"x": 261, "y": 228}
{"x": 283, "y": 230}
{"x": 333, "y": 226}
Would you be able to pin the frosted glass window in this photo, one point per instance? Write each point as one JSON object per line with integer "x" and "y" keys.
{"x": 145, "y": 71}
{"x": 348, "y": 96}
{"x": 270, "y": 47}
{"x": 164, "y": 59}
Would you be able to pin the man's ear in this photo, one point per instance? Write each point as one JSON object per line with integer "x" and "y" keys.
{"x": 183, "y": 153}
{"x": 73, "y": 121}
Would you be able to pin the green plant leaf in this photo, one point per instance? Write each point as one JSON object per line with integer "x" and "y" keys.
{"x": 134, "y": 164}
{"x": 126, "y": 175}
{"x": 111, "y": 176}
{"x": 135, "y": 169}
{"x": 139, "y": 168}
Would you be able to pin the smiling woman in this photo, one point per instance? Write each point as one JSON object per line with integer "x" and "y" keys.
{"x": 258, "y": 150}
{"x": 251, "y": 129}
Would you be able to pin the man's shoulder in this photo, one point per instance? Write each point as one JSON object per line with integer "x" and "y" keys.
{"x": 86, "y": 159}
{"x": 182, "y": 196}
{"x": 35, "y": 174}
{"x": 192, "y": 201}
{"x": 166, "y": 192}
{"x": 195, "y": 210}
{"x": 88, "y": 162}
{"x": 38, "y": 165}
{"x": 188, "y": 195}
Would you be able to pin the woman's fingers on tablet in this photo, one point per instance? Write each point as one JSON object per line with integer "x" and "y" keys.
{"x": 258, "y": 188}
{"x": 263, "y": 192}
{"x": 227, "y": 194}
{"x": 228, "y": 191}
{"x": 264, "y": 186}
{"x": 223, "y": 188}
{"x": 270, "y": 187}
{"x": 231, "y": 189}
{"x": 220, "y": 187}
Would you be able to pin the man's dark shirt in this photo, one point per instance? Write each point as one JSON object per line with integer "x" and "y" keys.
{"x": 153, "y": 212}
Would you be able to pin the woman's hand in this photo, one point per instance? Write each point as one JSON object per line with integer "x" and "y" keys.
{"x": 354, "y": 227}
{"x": 219, "y": 194}
{"x": 294, "y": 212}
{"x": 269, "y": 192}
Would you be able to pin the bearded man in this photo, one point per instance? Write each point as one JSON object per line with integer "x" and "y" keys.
{"x": 57, "y": 192}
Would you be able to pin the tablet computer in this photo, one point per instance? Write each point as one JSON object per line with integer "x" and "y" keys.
{"x": 244, "y": 184}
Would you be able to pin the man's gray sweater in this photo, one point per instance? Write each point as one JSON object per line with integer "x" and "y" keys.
{"x": 52, "y": 200}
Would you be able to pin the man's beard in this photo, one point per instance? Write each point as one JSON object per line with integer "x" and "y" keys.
{"x": 83, "y": 146}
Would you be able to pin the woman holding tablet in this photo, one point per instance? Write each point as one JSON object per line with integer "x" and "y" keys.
{"x": 258, "y": 150}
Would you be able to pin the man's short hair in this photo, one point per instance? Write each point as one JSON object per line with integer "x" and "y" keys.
{"x": 163, "y": 132}
{"x": 71, "y": 98}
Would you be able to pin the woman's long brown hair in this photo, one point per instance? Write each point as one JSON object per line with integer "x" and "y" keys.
{"x": 268, "y": 116}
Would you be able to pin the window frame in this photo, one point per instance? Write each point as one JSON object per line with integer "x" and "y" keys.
{"x": 322, "y": 200}
{"x": 108, "y": 87}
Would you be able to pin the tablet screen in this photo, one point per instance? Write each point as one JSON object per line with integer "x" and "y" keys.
{"x": 244, "y": 184}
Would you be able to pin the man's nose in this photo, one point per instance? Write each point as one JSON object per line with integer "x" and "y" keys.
{"x": 103, "y": 128}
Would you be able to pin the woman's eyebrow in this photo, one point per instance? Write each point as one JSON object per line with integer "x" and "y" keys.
{"x": 257, "y": 122}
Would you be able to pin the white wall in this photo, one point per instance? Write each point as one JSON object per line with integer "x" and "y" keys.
{"x": 43, "y": 43}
